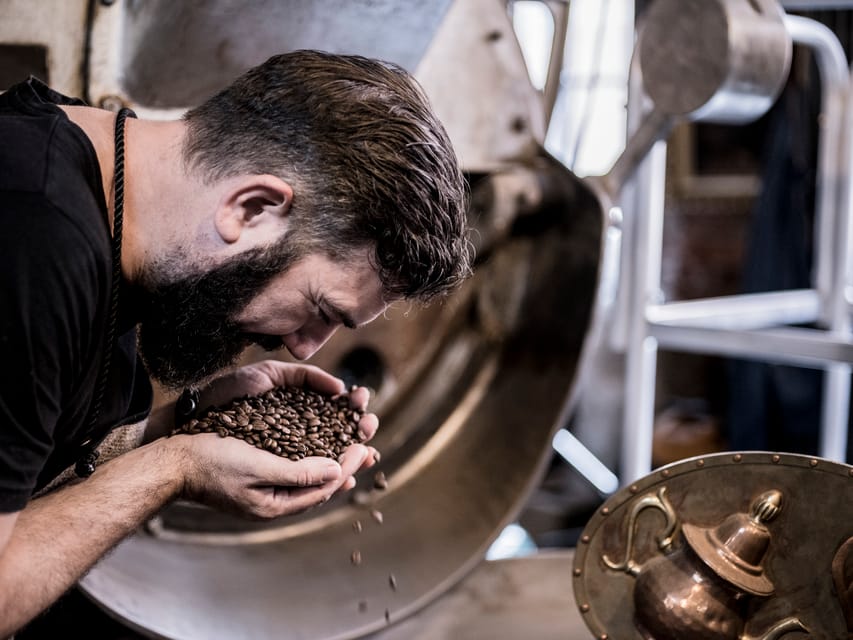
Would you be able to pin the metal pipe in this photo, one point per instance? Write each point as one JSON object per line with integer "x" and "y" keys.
{"x": 785, "y": 345}
{"x": 832, "y": 212}
{"x": 747, "y": 311}
{"x": 832, "y": 66}
{"x": 638, "y": 419}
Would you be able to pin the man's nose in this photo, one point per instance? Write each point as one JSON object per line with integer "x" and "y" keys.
{"x": 302, "y": 346}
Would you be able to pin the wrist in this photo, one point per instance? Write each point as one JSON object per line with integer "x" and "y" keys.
{"x": 176, "y": 462}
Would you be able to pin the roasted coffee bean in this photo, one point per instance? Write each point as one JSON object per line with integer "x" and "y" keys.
{"x": 392, "y": 581}
{"x": 355, "y": 558}
{"x": 288, "y": 421}
{"x": 356, "y": 526}
{"x": 376, "y": 514}
{"x": 360, "y": 497}
{"x": 379, "y": 480}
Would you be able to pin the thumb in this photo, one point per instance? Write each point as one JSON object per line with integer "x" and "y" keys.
{"x": 308, "y": 472}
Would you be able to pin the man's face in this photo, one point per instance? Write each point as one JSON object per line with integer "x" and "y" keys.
{"x": 193, "y": 326}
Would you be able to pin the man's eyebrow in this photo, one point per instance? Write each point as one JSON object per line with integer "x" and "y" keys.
{"x": 336, "y": 312}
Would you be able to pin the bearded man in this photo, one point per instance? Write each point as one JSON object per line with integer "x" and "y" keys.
{"x": 310, "y": 194}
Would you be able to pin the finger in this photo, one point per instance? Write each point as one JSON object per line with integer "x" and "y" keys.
{"x": 371, "y": 459}
{"x": 353, "y": 458}
{"x": 303, "y": 375}
{"x": 367, "y": 426}
{"x": 296, "y": 500}
{"x": 299, "y": 499}
{"x": 313, "y": 471}
{"x": 359, "y": 397}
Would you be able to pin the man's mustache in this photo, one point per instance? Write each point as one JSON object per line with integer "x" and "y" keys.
{"x": 265, "y": 341}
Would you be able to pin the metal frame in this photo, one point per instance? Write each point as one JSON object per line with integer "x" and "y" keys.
{"x": 752, "y": 325}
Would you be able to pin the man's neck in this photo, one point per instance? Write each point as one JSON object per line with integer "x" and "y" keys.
{"x": 160, "y": 199}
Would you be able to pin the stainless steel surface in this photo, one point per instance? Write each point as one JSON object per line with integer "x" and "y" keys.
{"x": 162, "y": 57}
{"x": 763, "y": 539}
{"x": 527, "y": 597}
{"x": 175, "y": 54}
{"x": 732, "y": 72}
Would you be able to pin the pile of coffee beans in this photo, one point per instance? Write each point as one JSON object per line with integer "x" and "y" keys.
{"x": 289, "y": 421}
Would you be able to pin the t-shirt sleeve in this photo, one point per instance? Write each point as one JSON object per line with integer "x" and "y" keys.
{"x": 49, "y": 281}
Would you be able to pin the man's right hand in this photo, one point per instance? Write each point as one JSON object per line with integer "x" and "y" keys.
{"x": 229, "y": 474}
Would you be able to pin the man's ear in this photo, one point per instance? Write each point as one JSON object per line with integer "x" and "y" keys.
{"x": 253, "y": 207}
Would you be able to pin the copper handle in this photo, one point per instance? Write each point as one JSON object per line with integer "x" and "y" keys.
{"x": 665, "y": 539}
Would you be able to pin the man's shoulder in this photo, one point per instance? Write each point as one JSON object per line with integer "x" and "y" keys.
{"x": 25, "y": 151}
{"x": 48, "y": 170}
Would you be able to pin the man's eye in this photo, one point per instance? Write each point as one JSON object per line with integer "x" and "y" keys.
{"x": 324, "y": 316}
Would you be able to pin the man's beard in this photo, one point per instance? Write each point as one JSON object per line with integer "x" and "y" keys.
{"x": 187, "y": 330}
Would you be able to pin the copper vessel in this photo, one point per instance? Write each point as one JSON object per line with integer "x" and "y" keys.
{"x": 703, "y": 589}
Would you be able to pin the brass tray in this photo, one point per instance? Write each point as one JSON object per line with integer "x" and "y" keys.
{"x": 772, "y": 530}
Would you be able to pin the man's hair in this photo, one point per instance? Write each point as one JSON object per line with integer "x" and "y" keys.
{"x": 369, "y": 163}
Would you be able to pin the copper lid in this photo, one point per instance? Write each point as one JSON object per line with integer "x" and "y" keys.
{"x": 736, "y": 547}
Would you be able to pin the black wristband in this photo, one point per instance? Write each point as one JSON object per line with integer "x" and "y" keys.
{"x": 186, "y": 406}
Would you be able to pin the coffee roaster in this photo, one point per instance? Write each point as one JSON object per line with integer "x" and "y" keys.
{"x": 469, "y": 392}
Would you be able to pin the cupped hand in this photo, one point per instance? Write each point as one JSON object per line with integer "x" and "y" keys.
{"x": 231, "y": 475}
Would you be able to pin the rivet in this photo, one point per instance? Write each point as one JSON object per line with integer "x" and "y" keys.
{"x": 584, "y": 607}
{"x": 775, "y": 459}
{"x": 603, "y": 636}
{"x": 850, "y": 473}
{"x": 737, "y": 457}
{"x": 585, "y": 539}
{"x": 577, "y": 572}
{"x": 605, "y": 511}
{"x": 665, "y": 473}
{"x": 634, "y": 488}
{"x": 812, "y": 462}
{"x": 700, "y": 463}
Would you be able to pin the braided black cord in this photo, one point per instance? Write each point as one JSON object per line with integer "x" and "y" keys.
{"x": 86, "y": 464}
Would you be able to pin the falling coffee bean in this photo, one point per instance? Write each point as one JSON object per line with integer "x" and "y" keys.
{"x": 392, "y": 581}
{"x": 379, "y": 481}
{"x": 355, "y": 558}
{"x": 376, "y": 515}
{"x": 356, "y": 526}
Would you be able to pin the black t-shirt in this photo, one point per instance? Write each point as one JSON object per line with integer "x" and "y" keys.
{"x": 55, "y": 287}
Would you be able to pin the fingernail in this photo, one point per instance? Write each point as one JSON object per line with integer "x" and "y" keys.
{"x": 331, "y": 472}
